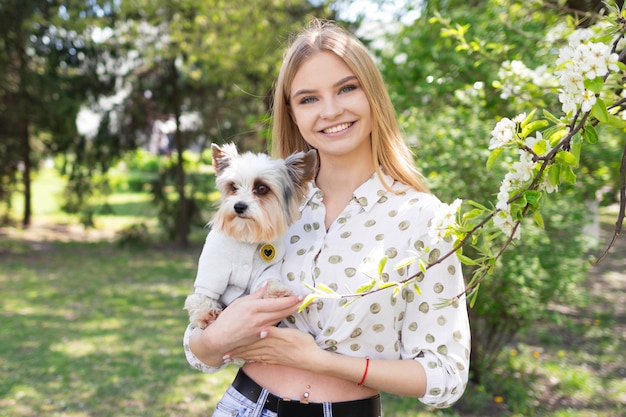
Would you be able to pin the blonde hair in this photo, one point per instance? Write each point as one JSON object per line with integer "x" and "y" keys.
{"x": 390, "y": 152}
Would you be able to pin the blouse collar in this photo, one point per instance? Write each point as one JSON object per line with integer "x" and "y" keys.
{"x": 366, "y": 195}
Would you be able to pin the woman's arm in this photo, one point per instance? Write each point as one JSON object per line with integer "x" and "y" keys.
{"x": 239, "y": 324}
{"x": 291, "y": 347}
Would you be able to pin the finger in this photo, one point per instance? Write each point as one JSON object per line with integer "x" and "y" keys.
{"x": 260, "y": 293}
{"x": 280, "y": 307}
{"x": 249, "y": 352}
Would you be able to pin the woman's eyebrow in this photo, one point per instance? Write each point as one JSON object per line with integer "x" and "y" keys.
{"x": 338, "y": 83}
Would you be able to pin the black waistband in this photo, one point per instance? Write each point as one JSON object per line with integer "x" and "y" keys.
{"x": 368, "y": 407}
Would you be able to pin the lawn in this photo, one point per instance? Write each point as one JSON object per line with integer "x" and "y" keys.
{"x": 92, "y": 329}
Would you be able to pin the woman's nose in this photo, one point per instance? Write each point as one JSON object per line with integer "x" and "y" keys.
{"x": 331, "y": 109}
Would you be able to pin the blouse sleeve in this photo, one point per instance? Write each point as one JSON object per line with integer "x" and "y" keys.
{"x": 193, "y": 359}
{"x": 438, "y": 337}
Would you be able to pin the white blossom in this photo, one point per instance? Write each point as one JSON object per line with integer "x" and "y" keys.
{"x": 582, "y": 59}
{"x": 503, "y": 221}
{"x": 570, "y": 102}
{"x": 519, "y": 118}
{"x": 502, "y": 133}
{"x": 525, "y": 167}
{"x": 589, "y": 99}
{"x": 444, "y": 218}
{"x": 546, "y": 186}
{"x": 515, "y": 74}
{"x": 580, "y": 36}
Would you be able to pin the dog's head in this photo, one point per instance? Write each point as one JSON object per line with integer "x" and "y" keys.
{"x": 260, "y": 196}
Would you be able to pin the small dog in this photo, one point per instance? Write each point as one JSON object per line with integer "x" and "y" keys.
{"x": 261, "y": 198}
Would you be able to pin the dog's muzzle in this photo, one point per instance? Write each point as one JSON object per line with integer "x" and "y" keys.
{"x": 240, "y": 207}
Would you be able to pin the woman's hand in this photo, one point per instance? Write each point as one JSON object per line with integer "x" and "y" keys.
{"x": 240, "y": 324}
{"x": 279, "y": 346}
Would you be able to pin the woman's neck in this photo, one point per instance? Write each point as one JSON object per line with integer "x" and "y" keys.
{"x": 343, "y": 180}
{"x": 338, "y": 181}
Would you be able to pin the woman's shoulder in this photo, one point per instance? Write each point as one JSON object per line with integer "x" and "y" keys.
{"x": 415, "y": 197}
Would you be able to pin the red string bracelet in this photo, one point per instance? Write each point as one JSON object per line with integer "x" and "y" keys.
{"x": 367, "y": 365}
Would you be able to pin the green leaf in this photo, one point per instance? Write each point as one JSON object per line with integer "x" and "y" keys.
{"x": 576, "y": 149}
{"x": 471, "y": 214}
{"x": 554, "y": 175}
{"x": 324, "y": 288}
{"x": 551, "y": 117}
{"x": 599, "y": 111}
{"x": 532, "y": 197}
{"x": 383, "y": 285}
{"x": 466, "y": 260}
{"x": 476, "y": 204}
{"x": 565, "y": 158}
{"x": 404, "y": 262}
{"x": 366, "y": 287}
{"x": 395, "y": 293}
{"x": 528, "y": 118}
{"x": 554, "y": 134}
{"x": 567, "y": 174}
{"x": 417, "y": 289}
{"x": 493, "y": 156}
{"x": 381, "y": 265}
{"x": 537, "y": 124}
{"x": 474, "y": 295}
{"x": 594, "y": 85}
{"x": 538, "y": 219}
{"x": 307, "y": 301}
{"x": 540, "y": 147}
{"x": 590, "y": 134}
{"x": 616, "y": 121}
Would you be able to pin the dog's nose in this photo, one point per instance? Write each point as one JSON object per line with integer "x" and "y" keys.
{"x": 240, "y": 207}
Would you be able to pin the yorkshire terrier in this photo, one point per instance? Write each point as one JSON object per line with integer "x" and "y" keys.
{"x": 261, "y": 198}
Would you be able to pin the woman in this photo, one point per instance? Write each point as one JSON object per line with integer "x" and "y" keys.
{"x": 368, "y": 201}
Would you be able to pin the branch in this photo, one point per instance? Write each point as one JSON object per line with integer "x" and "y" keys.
{"x": 622, "y": 208}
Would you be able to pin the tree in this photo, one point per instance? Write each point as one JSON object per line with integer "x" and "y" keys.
{"x": 47, "y": 64}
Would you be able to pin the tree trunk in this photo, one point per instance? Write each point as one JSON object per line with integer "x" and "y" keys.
{"x": 182, "y": 225}
{"x": 23, "y": 125}
{"x": 25, "y": 146}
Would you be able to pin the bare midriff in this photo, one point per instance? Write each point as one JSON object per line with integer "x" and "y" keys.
{"x": 299, "y": 384}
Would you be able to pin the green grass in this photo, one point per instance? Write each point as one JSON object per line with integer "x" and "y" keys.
{"x": 91, "y": 329}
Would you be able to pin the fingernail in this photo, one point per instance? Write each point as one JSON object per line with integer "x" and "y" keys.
{"x": 226, "y": 359}
{"x": 300, "y": 297}
{"x": 263, "y": 334}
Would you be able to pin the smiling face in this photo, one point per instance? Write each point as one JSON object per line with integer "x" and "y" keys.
{"x": 330, "y": 107}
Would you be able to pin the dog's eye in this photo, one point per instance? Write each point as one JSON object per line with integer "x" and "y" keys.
{"x": 261, "y": 189}
{"x": 233, "y": 188}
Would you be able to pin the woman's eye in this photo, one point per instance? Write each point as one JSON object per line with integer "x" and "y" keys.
{"x": 347, "y": 88}
{"x": 307, "y": 100}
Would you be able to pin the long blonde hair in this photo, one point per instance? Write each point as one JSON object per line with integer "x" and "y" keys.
{"x": 390, "y": 152}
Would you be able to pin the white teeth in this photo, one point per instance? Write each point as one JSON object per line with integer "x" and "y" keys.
{"x": 337, "y": 128}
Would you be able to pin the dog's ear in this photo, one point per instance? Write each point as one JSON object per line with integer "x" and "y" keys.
{"x": 302, "y": 167}
{"x": 222, "y": 156}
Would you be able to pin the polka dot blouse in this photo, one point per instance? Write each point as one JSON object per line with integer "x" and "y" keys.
{"x": 410, "y": 325}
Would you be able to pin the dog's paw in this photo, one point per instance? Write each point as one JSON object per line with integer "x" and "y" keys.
{"x": 202, "y": 310}
{"x": 276, "y": 290}
{"x": 204, "y": 320}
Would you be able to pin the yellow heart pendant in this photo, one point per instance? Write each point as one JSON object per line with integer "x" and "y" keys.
{"x": 267, "y": 252}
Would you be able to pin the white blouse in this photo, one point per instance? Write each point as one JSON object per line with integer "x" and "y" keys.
{"x": 410, "y": 325}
